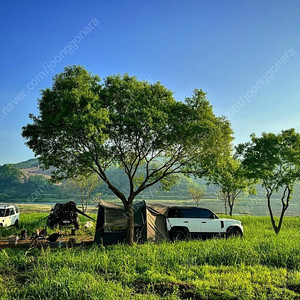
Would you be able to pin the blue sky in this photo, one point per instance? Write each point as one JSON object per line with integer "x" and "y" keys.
{"x": 227, "y": 48}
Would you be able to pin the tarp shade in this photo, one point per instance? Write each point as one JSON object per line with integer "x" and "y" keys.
{"x": 156, "y": 225}
{"x": 149, "y": 222}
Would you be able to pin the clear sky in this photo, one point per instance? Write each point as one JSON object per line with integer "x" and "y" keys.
{"x": 244, "y": 54}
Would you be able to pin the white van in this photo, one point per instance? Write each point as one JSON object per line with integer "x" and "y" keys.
{"x": 9, "y": 215}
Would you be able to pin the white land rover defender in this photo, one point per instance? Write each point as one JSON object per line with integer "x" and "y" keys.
{"x": 9, "y": 215}
{"x": 190, "y": 222}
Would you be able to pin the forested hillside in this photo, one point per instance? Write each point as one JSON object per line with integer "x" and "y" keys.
{"x": 28, "y": 182}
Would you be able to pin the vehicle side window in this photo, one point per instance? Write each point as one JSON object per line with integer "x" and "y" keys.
{"x": 11, "y": 211}
{"x": 17, "y": 209}
{"x": 190, "y": 213}
{"x": 205, "y": 213}
{"x": 6, "y": 213}
{"x": 174, "y": 213}
{"x": 183, "y": 213}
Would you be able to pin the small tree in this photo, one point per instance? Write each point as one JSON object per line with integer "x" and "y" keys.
{"x": 83, "y": 185}
{"x": 223, "y": 197}
{"x": 230, "y": 177}
{"x": 85, "y": 126}
{"x": 274, "y": 159}
{"x": 196, "y": 192}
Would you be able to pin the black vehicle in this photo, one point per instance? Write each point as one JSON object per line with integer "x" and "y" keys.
{"x": 64, "y": 214}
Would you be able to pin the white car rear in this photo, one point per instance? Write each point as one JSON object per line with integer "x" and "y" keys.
{"x": 9, "y": 215}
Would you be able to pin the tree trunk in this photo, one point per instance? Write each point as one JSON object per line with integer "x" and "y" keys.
{"x": 230, "y": 209}
{"x": 84, "y": 205}
{"x": 284, "y": 208}
{"x": 285, "y": 205}
{"x": 230, "y": 204}
{"x": 130, "y": 224}
{"x": 271, "y": 213}
{"x": 225, "y": 207}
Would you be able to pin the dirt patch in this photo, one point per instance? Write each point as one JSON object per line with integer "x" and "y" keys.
{"x": 63, "y": 243}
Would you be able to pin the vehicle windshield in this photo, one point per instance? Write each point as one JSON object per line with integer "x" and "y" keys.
{"x": 2, "y": 212}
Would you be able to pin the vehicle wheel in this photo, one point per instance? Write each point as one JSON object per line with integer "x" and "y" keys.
{"x": 178, "y": 235}
{"x": 17, "y": 224}
{"x": 236, "y": 232}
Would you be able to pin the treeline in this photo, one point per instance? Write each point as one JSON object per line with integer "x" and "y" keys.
{"x": 15, "y": 186}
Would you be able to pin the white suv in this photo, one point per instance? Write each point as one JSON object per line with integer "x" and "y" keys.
{"x": 189, "y": 222}
{"x": 9, "y": 215}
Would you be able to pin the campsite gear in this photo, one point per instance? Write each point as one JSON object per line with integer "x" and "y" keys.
{"x": 64, "y": 214}
{"x": 13, "y": 239}
{"x": 71, "y": 242}
{"x": 34, "y": 236}
{"x": 23, "y": 235}
{"x": 53, "y": 237}
{"x": 88, "y": 225}
{"x": 149, "y": 223}
{"x": 41, "y": 232}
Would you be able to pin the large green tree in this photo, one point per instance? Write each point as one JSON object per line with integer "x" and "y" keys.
{"x": 85, "y": 125}
{"x": 274, "y": 159}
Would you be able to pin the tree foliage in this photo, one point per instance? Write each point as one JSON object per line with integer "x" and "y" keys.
{"x": 14, "y": 185}
{"x": 196, "y": 192}
{"x": 83, "y": 186}
{"x": 274, "y": 159}
{"x": 230, "y": 177}
{"x": 10, "y": 175}
{"x": 87, "y": 126}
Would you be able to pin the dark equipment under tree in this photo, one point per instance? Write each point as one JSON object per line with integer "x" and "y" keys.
{"x": 64, "y": 214}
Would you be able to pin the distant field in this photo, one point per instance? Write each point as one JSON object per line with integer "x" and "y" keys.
{"x": 245, "y": 206}
{"x": 258, "y": 266}
{"x": 45, "y": 208}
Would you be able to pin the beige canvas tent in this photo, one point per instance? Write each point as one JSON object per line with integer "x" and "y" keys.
{"x": 149, "y": 222}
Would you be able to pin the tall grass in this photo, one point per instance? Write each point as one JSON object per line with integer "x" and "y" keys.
{"x": 33, "y": 221}
{"x": 260, "y": 265}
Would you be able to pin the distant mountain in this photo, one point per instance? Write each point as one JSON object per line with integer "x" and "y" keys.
{"x": 33, "y": 167}
{"x": 30, "y": 163}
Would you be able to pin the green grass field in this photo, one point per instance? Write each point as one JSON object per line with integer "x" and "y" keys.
{"x": 260, "y": 265}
